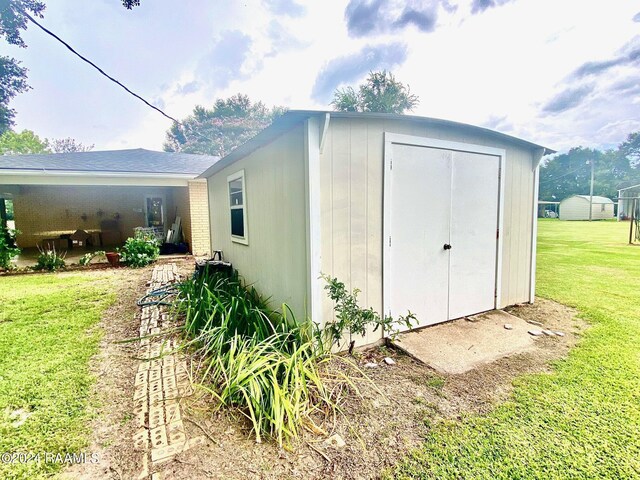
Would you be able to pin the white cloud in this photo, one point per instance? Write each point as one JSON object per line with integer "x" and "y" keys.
{"x": 499, "y": 67}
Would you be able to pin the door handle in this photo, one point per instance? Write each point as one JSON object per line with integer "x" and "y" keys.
{"x": 447, "y": 246}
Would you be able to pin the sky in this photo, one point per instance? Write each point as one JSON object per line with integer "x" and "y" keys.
{"x": 561, "y": 73}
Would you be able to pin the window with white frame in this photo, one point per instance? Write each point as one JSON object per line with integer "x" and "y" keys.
{"x": 238, "y": 207}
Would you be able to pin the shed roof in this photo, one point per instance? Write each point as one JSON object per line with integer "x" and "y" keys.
{"x": 596, "y": 199}
{"x": 292, "y": 118}
{"x": 132, "y": 161}
{"x": 632, "y": 187}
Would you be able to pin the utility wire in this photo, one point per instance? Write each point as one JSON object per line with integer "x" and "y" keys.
{"x": 563, "y": 175}
{"x": 49, "y": 32}
{"x": 117, "y": 82}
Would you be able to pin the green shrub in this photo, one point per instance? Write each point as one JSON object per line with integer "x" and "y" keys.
{"x": 258, "y": 360}
{"x": 49, "y": 259}
{"x": 139, "y": 250}
{"x": 262, "y": 361}
{"x": 352, "y": 318}
{"x": 87, "y": 257}
{"x": 218, "y": 299}
{"x": 8, "y": 250}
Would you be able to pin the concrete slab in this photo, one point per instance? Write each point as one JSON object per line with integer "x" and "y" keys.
{"x": 459, "y": 346}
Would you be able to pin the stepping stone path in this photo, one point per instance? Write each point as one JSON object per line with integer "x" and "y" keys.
{"x": 161, "y": 380}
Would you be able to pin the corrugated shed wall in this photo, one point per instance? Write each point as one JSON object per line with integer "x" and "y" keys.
{"x": 352, "y": 207}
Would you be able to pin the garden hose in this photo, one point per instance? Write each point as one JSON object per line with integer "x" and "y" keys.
{"x": 159, "y": 296}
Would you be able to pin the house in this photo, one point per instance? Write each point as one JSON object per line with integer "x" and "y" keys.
{"x": 577, "y": 208}
{"x": 419, "y": 214}
{"x": 625, "y": 200}
{"x": 107, "y": 194}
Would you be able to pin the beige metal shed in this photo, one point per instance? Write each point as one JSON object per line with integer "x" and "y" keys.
{"x": 420, "y": 214}
{"x": 576, "y": 207}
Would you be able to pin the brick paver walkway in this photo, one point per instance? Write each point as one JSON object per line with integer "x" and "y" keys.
{"x": 161, "y": 380}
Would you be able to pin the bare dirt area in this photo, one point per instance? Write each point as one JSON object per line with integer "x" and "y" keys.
{"x": 114, "y": 368}
{"x": 393, "y": 411}
{"x": 392, "y": 414}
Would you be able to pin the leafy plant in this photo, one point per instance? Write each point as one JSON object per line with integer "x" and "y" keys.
{"x": 261, "y": 361}
{"x": 353, "y": 318}
{"x": 49, "y": 259}
{"x": 87, "y": 257}
{"x": 8, "y": 248}
{"x": 218, "y": 299}
{"x": 139, "y": 250}
{"x": 276, "y": 389}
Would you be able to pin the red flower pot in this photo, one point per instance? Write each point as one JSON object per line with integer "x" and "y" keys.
{"x": 113, "y": 258}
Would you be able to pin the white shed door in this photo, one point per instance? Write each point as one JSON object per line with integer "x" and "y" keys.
{"x": 474, "y": 228}
{"x": 420, "y": 216}
{"x": 443, "y": 229}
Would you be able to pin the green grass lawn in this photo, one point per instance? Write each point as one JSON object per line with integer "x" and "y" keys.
{"x": 582, "y": 421}
{"x": 48, "y": 334}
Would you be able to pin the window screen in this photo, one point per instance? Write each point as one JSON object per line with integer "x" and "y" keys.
{"x": 237, "y": 222}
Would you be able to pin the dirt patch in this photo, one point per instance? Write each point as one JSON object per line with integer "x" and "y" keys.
{"x": 396, "y": 408}
{"x": 393, "y": 415}
{"x": 114, "y": 368}
{"x": 478, "y": 390}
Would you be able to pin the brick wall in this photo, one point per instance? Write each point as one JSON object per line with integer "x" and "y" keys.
{"x": 199, "y": 214}
{"x": 181, "y": 209}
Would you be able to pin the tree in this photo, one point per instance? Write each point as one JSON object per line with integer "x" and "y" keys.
{"x": 12, "y": 143}
{"x": 630, "y": 149}
{"x": 380, "y": 93}
{"x": 219, "y": 130}
{"x": 13, "y": 80}
{"x": 346, "y": 100}
{"x": 13, "y": 77}
{"x": 67, "y": 145}
{"x": 13, "y": 18}
{"x": 570, "y": 173}
{"x": 129, "y": 4}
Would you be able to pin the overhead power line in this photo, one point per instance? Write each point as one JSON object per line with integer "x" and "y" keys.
{"x": 84, "y": 59}
{"x": 563, "y": 175}
{"x": 116, "y": 81}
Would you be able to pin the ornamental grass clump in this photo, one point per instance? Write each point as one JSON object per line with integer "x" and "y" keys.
{"x": 258, "y": 360}
{"x": 50, "y": 259}
{"x": 87, "y": 257}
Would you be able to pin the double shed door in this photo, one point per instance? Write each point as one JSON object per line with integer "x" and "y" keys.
{"x": 443, "y": 213}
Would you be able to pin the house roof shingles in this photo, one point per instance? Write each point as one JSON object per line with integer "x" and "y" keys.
{"x": 132, "y": 161}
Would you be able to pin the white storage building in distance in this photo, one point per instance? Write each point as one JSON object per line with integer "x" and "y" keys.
{"x": 577, "y": 208}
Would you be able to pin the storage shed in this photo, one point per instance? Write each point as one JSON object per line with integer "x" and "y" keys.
{"x": 625, "y": 201}
{"x": 577, "y": 208}
{"x": 419, "y": 214}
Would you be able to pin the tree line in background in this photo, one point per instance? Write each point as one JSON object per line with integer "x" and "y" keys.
{"x": 220, "y": 129}
{"x": 232, "y": 121}
{"x": 570, "y": 173}
{"x": 27, "y": 142}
